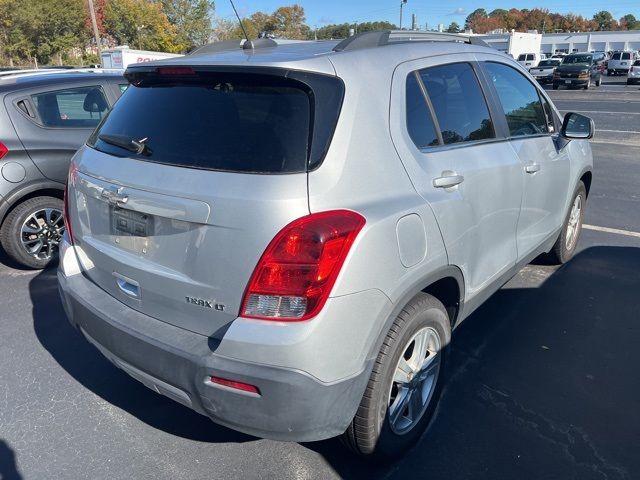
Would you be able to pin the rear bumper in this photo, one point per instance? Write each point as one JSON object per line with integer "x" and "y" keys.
{"x": 292, "y": 405}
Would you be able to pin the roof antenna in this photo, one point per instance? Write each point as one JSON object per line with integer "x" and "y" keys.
{"x": 247, "y": 44}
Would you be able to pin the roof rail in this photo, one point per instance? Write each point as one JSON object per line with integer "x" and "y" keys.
{"x": 379, "y": 38}
{"x": 231, "y": 45}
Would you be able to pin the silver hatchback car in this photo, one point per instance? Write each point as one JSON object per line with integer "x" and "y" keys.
{"x": 283, "y": 237}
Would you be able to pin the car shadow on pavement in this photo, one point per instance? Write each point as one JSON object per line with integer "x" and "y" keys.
{"x": 9, "y": 262}
{"x": 87, "y": 366}
{"x": 543, "y": 383}
{"x": 8, "y": 467}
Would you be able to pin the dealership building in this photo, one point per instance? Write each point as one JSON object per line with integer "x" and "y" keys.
{"x": 574, "y": 42}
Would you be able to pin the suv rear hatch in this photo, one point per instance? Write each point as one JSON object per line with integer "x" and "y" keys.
{"x": 189, "y": 178}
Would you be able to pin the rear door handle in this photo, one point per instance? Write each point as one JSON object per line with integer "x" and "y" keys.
{"x": 532, "y": 168}
{"x": 448, "y": 179}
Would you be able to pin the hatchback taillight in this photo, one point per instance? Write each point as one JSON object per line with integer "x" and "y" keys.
{"x": 71, "y": 180}
{"x": 295, "y": 274}
{"x": 3, "y": 150}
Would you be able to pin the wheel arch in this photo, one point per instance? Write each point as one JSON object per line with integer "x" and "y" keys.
{"x": 445, "y": 284}
{"x": 47, "y": 188}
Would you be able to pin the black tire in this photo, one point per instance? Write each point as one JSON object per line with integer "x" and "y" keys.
{"x": 10, "y": 233}
{"x": 588, "y": 85}
{"x": 598, "y": 82}
{"x": 561, "y": 253}
{"x": 555, "y": 87}
{"x": 370, "y": 434}
{"x": 609, "y": 73}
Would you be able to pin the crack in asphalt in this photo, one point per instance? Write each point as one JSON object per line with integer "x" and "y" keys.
{"x": 572, "y": 440}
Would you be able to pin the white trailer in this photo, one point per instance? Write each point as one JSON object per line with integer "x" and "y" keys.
{"x": 514, "y": 43}
{"x": 121, "y": 57}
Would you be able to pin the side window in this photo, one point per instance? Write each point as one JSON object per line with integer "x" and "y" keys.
{"x": 458, "y": 103}
{"x": 81, "y": 107}
{"x": 520, "y": 100}
{"x": 419, "y": 121}
{"x": 123, "y": 87}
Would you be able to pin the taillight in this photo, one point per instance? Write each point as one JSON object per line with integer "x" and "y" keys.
{"x": 295, "y": 274}
{"x": 3, "y": 150}
{"x": 71, "y": 180}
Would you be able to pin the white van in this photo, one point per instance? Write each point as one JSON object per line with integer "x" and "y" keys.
{"x": 620, "y": 62}
{"x": 529, "y": 60}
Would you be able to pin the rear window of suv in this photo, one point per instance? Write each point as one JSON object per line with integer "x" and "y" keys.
{"x": 239, "y": 123}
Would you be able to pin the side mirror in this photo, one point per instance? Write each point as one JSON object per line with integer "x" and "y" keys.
{"x": 575, "y": 125}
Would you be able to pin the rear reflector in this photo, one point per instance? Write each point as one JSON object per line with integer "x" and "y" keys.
{"x": 245, "y": 387}
{"x": 295, "y": 274}
{"x": 3, "y": 150}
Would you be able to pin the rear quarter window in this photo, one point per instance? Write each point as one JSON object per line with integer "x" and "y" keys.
{"x": 82, "y": 107}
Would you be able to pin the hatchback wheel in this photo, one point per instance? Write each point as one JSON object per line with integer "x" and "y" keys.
{"x": 567, "y": 242}
{"x": 599, "y": 82}
{"x": 32, "y": 231}
{"x": 404, "y": 386}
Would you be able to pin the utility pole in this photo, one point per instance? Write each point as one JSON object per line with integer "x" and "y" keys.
{"x": 402, "y": 2}
{"x": 94, "y": 23}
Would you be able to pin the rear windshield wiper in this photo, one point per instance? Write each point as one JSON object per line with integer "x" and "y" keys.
{"x": 128, "y": 143}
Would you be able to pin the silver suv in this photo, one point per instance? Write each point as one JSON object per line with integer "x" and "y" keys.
{"x": 282, "y": 238}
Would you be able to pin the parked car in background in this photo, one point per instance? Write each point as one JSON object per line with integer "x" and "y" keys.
{"x": 579, "y": 70}
{"x": 634, "y": 73}
{"x": 44, "y": 119}
{"x": 544, "y": 71}
{"x": 620, "y": 62}
{"x": 529, "y": 60}
{"x": 284, "y": 240}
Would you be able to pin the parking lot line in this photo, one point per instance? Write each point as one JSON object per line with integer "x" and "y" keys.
{"x": 616, "y": 131}
{"x": 603, "y": 111}
{"x": 616, "y": 231}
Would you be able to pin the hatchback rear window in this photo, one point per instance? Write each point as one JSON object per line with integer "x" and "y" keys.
{"x": 522, "y": 57}
{"x": 626, "y": 56}
{"x": 616, "y": 56}
{"x": 239, "y": 123}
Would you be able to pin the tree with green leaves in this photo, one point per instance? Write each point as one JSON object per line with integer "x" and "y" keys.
{"x": 192, "y": 19}
{"x": 41, "y": 29}
{"x": 604, "y": 21}
{"x": 453, "y": 28}
{"x": 141, "y": 25}
{"x": 478, "y": 13}
{"x": 629, "y": 22}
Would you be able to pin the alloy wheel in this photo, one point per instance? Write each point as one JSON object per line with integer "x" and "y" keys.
{"x": 41, "y": 233}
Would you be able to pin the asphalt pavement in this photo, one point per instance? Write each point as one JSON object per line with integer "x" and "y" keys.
{"x": 544, "y": 379}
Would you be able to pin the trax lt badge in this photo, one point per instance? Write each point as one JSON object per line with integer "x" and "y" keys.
{"x": 205, "y": 303}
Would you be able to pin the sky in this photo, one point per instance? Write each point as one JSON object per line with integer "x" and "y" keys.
{"x": 324, "y": 12}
